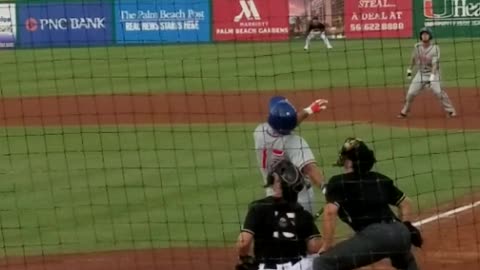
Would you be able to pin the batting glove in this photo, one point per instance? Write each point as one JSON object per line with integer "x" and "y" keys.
{"x": 409, "y": 74}
{"x": 317, "y": 106}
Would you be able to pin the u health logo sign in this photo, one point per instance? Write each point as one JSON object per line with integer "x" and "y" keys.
{"x": 259, "y": 20}
{"x": 378, "y": 18}
{"x": 65, "y": 24}
{"x": 449, "y": 18}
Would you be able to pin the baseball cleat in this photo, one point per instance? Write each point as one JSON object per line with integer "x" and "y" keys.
{"x": 451, "y": 114}
{"x": 401, "y": 116}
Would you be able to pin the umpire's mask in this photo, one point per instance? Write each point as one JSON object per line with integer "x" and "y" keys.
{"x": 292, "y": 180}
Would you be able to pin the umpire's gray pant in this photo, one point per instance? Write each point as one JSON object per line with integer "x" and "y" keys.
{"x": 372, "y": 244}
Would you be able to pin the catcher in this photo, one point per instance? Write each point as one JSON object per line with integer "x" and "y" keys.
{"x": 316, "y": 29}
{"x": 362, "y": 199}
{"x": 283, "y": 233}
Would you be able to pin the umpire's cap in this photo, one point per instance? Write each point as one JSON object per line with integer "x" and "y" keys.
{"x": 425, "y": 30}
{"x": 357, "y": 151}
{"x": 282, "y": 116}
{"x": 290, "y": 175}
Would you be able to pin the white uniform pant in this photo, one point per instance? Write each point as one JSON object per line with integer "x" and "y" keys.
{"x": 315, "y": 34}
{"x": 303, "y": 264}
{"x": 420, "y": 82}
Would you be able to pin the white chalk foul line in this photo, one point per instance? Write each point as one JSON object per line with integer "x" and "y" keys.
{"x": 446, "y": 214}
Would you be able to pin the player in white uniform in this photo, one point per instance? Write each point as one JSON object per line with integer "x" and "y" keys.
{"x": 316, "y": 29}
{"x": 274, "y": 140}
{"x": 426, "y": 57}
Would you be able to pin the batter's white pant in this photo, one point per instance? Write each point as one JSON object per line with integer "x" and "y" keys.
{"x": 303, "y": 264}
{"x": 305, "y": 198}
{"x": 420, "y": 82}
{"x": 316, "y": 34}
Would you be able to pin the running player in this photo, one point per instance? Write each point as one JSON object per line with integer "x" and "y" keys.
{"x": 274, "y": 141}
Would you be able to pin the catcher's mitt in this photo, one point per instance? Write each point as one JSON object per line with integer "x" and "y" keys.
{"x": 416, "y": 236}
{"x": 247, "y": 263}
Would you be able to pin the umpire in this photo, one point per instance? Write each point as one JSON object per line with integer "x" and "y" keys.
{"x": 283, "y": 233}
{"x": 362, "y": 199}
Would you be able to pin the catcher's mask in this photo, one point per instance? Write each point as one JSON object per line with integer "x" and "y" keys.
{"x": 355, "y": 150}
{"x": 292, "y": 180}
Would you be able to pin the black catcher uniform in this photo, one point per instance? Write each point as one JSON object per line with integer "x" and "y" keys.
{"x": 282, "y": 231}
{"x": 362, "y": 199}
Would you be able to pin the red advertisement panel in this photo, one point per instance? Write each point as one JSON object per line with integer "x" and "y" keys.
{"x": 378, "y": 18}
{"x": 259, "y": 20}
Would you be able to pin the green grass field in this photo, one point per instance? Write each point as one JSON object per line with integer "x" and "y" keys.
{"x": 83, "y": 189}
{"x": 225, "y": 67}
{"x": 87, "y": 189}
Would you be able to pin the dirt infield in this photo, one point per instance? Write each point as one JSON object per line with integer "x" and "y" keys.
{"x": 350, "y": 105}
{"x": 451, "y": 243}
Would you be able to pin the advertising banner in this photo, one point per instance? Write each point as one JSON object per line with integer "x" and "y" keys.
{"x": 329, "y": 12}
{"x": 378, "y": 18}
{"x": 162, "y": 21}
{"x": 65, "y": 24}
{"x": 256, "y": 20}
{"x": 8, "y": 25}
{"x": 449, "y": 18}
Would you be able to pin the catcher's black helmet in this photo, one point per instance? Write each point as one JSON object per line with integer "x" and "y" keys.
{"x": 357, "y": 151}
{"x": 425, "y": 30}
{"x": 292, "y": 179}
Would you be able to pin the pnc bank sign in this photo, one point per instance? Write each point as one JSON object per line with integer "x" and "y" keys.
{"x": 447, "y": 9}
{"x": 86, "y": 23}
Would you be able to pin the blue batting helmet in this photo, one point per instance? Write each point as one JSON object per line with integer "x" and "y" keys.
{"x": 282, "y": 115}
{"x": 274, "y": 100}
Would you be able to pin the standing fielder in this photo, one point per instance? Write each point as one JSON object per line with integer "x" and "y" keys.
{"x": 316, "y": 29}
{"x": 426, "y": 57}
{"x": 275, "y": 141}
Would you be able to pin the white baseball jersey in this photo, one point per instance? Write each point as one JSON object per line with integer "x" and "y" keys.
{"x": 271, "y": 146}
{"x": 426, "y": 57}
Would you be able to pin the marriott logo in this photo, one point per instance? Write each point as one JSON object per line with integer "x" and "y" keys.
{"x": 249, "y": 11}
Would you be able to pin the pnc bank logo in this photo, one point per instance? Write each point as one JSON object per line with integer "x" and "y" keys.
{"x": 62, "y": 24}
{"x": 249, "y": 11}
{"x": 435, "y": 9}
{"x": 31, "y": 24}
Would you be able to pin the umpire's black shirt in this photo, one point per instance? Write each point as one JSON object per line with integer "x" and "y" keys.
{"x": 280, "y": 229}
{"x": 363, "y": 200}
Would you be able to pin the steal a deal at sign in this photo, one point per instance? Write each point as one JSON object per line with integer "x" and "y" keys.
{"x": 34, "y": 24}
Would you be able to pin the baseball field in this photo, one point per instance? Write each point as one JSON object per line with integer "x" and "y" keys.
{"x": 142, "y": 157}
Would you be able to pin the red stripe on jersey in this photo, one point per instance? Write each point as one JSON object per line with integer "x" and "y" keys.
{"x": 277, "y": 152}
{"x": 264, "y": 158}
